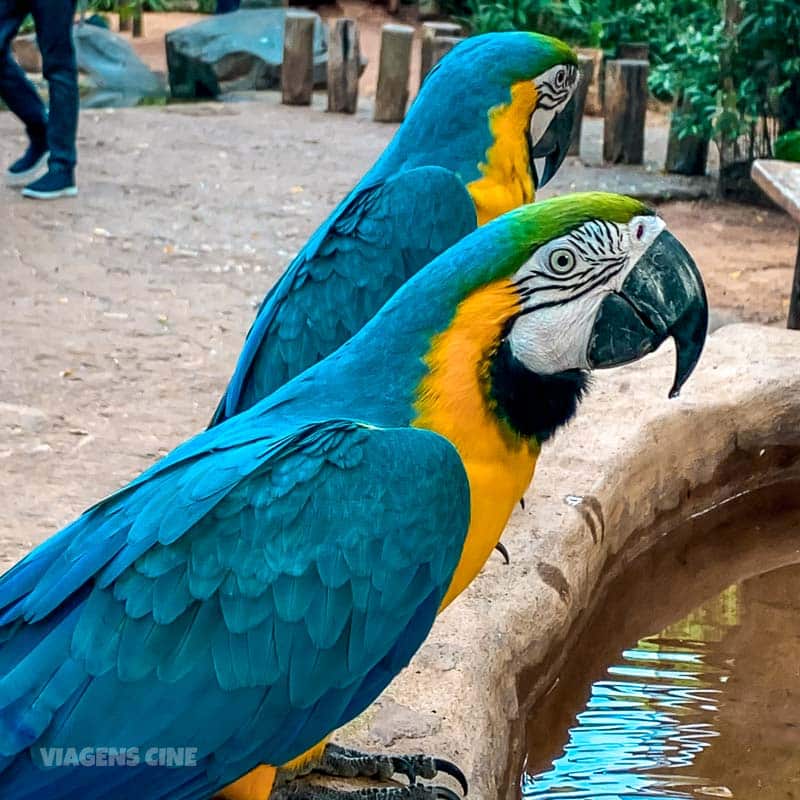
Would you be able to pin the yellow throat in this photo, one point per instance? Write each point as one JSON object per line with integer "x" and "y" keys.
{"x": 452, "y": 400}
{"x": 506, "y": 183}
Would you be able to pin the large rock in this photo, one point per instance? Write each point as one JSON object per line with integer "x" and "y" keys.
{"x": 111, "y": 74}
{"x": 235, "y": 52}
{"x": 118, "y": 75}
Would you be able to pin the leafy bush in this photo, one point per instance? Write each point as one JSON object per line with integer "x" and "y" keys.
{"x": 738, "y": 82}
{"x": 591, "y": 23}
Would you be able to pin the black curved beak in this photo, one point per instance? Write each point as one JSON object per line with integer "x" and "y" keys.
{"x": 662, "y": 296}
{"x": 553, "y": 145}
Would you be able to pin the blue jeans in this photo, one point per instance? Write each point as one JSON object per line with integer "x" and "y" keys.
{"x": 54, "y": 20}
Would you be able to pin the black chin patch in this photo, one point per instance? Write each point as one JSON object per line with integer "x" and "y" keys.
{"x": 534, "y": 405}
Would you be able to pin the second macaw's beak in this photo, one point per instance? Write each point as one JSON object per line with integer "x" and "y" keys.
{"x": 552, "y": 146}
{"x": 663, "y": 296}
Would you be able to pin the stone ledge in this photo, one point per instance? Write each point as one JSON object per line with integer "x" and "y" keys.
{"x": 592, "y": 499}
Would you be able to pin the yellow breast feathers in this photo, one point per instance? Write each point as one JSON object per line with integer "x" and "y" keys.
{"x": 506, "y": 182}
{"x": 453, "y": 400}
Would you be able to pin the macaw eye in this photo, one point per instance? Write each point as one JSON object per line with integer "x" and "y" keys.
{"x": 639, "y": 231}
{"x": 561, "y": 76}
{"x": 562, "y": 261}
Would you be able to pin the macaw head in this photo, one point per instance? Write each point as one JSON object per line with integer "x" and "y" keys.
{"x": 599, "y": 282}
{"x": 498, "y": 111}
{"x": 543, "y": 295}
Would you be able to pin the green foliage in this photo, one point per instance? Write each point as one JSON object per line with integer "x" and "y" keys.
{"x": 730, "y": 82}
{"x": 591, "y": 23}
{"x": 787, "y": 147}
{"x": 734, "y": 81}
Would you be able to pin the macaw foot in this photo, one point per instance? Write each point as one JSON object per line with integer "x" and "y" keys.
{"x": 417, "y": 791}
{"x": 341, "y": 762}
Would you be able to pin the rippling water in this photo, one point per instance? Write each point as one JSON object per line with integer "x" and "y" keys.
{"x": 708, "y": 707}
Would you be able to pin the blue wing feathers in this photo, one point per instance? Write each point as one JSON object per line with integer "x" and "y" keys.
{"x": 262, "y": 586}
{"x": 380, "y": 236}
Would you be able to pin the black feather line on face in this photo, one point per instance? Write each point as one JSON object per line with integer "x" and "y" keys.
{"x": 533, "y": 405}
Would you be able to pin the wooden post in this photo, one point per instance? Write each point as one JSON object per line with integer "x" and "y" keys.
{"x": 638, "y": 51}
{"x": 138, "y": 20}
{"x": 124, "y": 14}
{"x": 343, "y": 65}
{"x": 431, "y": 31}
{"x": 793, "y": 323}
{"x": 393, "y": 72}
{"x": 594, "y": 96}
{"x": 625, "y": 111}
{"x": 586, "y": 66}
{"x": 297, "y": 72}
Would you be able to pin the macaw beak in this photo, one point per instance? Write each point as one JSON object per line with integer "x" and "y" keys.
{"x": 553, "y": 144}
{"x": 662, "y": 296}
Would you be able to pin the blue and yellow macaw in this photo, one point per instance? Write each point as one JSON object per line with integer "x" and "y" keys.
{"x": 264, "y": 582}
{"x": 468, "y": 150}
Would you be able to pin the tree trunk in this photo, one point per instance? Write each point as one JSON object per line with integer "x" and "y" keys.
{"x": 391, "y": 96}
{"x": 138, "y": 20}
{"x": 686, "y": 156}
{"x": 794, "y": 297}
{"x": 297, "y": 72}
{"x": 625, "y": 111}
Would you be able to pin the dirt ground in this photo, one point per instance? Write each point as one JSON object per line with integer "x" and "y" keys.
{"x": 123, "y": 311}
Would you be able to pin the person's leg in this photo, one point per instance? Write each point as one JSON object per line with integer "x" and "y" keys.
{"x": 226, "y": 6}
{"x": 20, "y": 96}
{"x": 54, "y": 20}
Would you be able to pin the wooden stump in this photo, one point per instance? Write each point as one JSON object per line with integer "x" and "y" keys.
{"x": 343, "y": 65}
{"x": 125, "y": 17}
{"x": 638, "y": 51}
{"x": 586, "y": 66}
{"x": 297, "y": 72}
{"x": 431, "y": 31}
{"x": 625, "y": 110}
{"x": 393, "y": 72}
{"x": 594, "y": 94}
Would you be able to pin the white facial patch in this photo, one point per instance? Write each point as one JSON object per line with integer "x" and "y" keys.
{"x": 554, "y": 89}
{"x": 563, "y": 285}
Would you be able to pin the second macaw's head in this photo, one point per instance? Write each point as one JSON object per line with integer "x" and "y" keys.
{"x": 497, "y": 111}
{"x": 555, "y": 290}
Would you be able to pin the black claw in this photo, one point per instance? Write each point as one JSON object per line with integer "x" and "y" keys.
{"x": 522, "y": 503}
{"x": 501, "y": 548}
{"x": 451, "y": 769}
